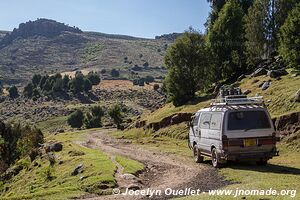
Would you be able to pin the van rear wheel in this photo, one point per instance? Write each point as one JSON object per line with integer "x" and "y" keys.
{"x": 215, "y": 159}
{"x": 197, "y": 155}
{"x": 262, "y": 163}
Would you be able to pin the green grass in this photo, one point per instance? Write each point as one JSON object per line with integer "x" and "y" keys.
{"x": 130, "y": 166}
{"x": 282, "y": 173}
{"x": 279, "y": 93}
{"x": 98, "y": 173}
{"x": 92, "y": 51}
{"x": 53, "y": 123}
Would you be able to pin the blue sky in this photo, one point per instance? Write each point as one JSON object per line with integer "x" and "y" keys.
{"x": 143, "y": 18}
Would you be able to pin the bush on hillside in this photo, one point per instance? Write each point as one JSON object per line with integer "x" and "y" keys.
{"x": 94, "y": 78}
{"x": 93, "y": 117}
{"x": 75, "y": 120}
{"x": 13, "y": 92}
{"x": 115, "y": 73}
{"x": 116, "y": 114}
{"x": 28, "y": 90}
{"x": 17, "y": 141}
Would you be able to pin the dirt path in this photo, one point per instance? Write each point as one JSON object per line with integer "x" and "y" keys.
{"x": 162, "y": 170}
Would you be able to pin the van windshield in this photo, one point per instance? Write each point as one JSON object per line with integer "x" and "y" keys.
{"x": 247, "y": 120}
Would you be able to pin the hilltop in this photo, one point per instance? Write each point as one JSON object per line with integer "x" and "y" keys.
{"x": 45, "y": 46}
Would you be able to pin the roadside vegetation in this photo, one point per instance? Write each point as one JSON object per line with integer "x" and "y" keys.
{"x": 74, "y": 171}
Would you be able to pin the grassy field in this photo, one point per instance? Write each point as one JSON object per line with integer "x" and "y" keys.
{"x": 130, "y": 166}
{"x": 40, "y": 179}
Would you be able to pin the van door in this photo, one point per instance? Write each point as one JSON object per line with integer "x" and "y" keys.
{"x": 215, "y": 130}
{"x": 204, "y": 124}
{"x": 194, "y": 132}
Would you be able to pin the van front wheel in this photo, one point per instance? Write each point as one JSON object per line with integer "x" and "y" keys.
{"x": 215, "y": 159}
{"x": 197, "y": 155}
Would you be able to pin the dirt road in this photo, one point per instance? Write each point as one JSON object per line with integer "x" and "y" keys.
{"x": 162, "y": 170}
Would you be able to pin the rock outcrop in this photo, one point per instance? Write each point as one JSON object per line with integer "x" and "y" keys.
{"x": 173, "y": 119}
{"x": 39, "y": 27}
{"x": 287, "y": 124}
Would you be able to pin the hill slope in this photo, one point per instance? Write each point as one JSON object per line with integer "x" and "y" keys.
{"x": 47, "y": 46}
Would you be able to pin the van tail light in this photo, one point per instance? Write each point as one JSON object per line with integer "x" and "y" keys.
{"x": 267, "y": 140}
{"x": 225, "y": 141}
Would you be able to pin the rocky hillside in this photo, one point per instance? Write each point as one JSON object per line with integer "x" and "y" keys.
{"x": 46, "y": 46}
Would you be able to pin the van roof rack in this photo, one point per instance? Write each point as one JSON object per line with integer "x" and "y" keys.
{"x": 238, "y": 100}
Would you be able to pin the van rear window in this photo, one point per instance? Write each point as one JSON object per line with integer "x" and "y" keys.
{"x": 247, "y": 120}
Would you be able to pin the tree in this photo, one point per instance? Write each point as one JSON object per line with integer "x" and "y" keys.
{"x": 43, "y": 81}
{"x": 13, "y": 92}
{"x": 94, "y": 78}
{"x": 282, "y": 8}
{"x": 28, "y": 90}
{"x": 226, "y": 38}
{"x": 259, "y": 27}
{"x": 57, "y": 85}
{"x": 47, "y": 87}
{"x": 87, "y": 85}
{"x": 116, "y": 114}
{"x": 66, "y": 81}
{"x": 77, "y": 83}
{"x": 290, "y": 38}
{"x": 36, "y": 79}
{"x": 93, "y": 118}
{"x": 188, "y": 66}
{"x": 75, "y": 120}
{"x": 115, "y": 73}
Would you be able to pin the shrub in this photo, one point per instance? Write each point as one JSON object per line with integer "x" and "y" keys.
{"x": 28, "y": 90}
{"x": 75, "y": 120}
{"x": 66, "y": 81}
{"x": 17, "y": 141}
{"x": 36, "y": 79}
{"x": 87, "y": 85}
{"x": 93, "y": 117}
{"x": 116, "y": 114}
{"x": 13, "y": 92}
{"x": 149, "y": 79}
{"x": 115, "y": 73}
{"x": 94, "y": 78}
{"x": 77, "y": 83}
{"x": 103, "y": 71}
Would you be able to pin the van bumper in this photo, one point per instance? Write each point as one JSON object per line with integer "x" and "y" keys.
{"x": 249, "y": 155}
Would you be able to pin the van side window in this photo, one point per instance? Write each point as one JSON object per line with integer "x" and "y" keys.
{"x": 196, "y": 119}
{"x": 215, "y": 122}
{"x": 205, "y": 120}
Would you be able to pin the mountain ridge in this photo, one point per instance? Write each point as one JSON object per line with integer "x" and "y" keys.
{"x": 33, "y": 49}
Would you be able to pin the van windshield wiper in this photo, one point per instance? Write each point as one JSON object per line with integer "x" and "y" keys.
{"x": 247, "y": 129}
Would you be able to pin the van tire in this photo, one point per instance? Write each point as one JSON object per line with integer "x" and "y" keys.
{"x": 215, "y": 159}
{"x": 197, "y": 155}
{"x": 262, "y": 163}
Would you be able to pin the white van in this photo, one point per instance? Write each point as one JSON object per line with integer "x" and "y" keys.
{"x": 233, "y": 128}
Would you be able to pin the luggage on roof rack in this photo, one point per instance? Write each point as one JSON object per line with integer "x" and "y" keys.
{"x": 238, "y": 100}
